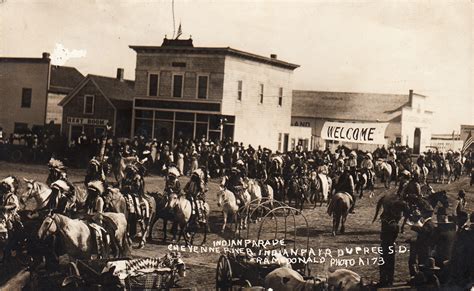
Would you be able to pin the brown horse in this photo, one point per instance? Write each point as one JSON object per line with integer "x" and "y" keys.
{"x": 339, "y": 209}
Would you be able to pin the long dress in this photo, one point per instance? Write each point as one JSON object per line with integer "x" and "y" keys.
{"x": 180, "y": 163}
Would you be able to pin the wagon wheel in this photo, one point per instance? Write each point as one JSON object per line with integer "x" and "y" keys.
{"x": 196, "y": 232}
{"x": 223, "y": 274}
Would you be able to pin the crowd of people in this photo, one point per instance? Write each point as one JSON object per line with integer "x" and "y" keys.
{"x": 235, "y": 163}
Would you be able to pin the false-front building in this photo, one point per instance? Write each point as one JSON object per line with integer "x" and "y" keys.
{"x": 187, "y": 92}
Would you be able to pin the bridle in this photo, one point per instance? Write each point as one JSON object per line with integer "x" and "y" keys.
{"x": 50, "y": 223}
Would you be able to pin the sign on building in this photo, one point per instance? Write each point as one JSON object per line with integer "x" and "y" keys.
{"x": 86, "y": 121}
{"x": 371, "y": 133}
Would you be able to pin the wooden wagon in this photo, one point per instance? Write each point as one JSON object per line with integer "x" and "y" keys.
{"x": 102, "y": 274}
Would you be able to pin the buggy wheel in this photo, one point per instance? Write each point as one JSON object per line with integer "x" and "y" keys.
{"x": 223, "y": 274}
{"x": 196, "y": 232}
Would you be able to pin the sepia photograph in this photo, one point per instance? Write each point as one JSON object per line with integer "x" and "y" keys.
{"x": 266, "y": 145}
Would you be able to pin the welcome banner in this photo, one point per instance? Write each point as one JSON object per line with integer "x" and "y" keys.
{"x": 373, "y": 133}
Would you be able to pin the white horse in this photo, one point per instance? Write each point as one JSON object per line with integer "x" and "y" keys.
{"x": 384, "y": 169}
{"x": 76, "y": 234}
{"x": 228, "y": 202}
{"x": 182, "y": 211}
{"x": 36, "y": 196}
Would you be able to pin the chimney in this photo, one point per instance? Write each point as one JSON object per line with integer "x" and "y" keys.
{"x": 46, "y": 55}
{"x": 120, "y": 74}
{"x": 273, "y": 56}
{"x": 410, "y": 97}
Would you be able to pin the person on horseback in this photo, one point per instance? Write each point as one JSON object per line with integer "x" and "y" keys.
{"x": 195, "y": 191}
{"x": 275, "y": 173}
{"x": 234, "y": 182}
{"x": 63, "y": 196}
{"x": 57, "y": 171}
{"x": 346, "y": 184}
{"x": 133, "y": 188}
{"x": 172, "y": 184}
{"x": 9, "y": 203}
{"x": 95, "y": 209}
{"x": 95, "y": 171}
{"x": 352, "y": 164}
{"x": 367, "y": 166}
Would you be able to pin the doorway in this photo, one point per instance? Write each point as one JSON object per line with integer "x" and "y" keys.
{"x": 417, "y": 141}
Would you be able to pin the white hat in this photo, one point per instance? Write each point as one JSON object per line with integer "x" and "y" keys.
{"x": 173, "y": 171}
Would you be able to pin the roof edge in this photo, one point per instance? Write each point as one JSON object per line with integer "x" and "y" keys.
{"x": 217, "y": 50}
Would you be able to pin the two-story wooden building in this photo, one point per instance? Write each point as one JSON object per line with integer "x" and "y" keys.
{"x": 182, "y": 91}
{"x": 30, "y": 89}
{"x": 98, "y": 101}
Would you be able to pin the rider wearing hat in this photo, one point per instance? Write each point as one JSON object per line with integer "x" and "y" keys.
{"x": 62, "y": 195}
{"x": 57, "y": 171}
{"x": 346, "y": 184}
{"x": 95, "y": 209}
{"x": 196, "y": 190}
{"x": 368, "y": 166}
{"x": 172, "y": 184}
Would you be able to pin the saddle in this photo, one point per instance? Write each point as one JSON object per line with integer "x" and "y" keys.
{"x": 102, "y": 238}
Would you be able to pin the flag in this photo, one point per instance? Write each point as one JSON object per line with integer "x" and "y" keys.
{"x": 468, "y": 142}
{"x": 179, "y": 31}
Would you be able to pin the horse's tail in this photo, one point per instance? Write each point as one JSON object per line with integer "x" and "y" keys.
{"x": 331, "y": 205}
{"x": 379, "y": 204}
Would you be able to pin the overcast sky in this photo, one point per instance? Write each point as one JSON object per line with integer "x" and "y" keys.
{"x": 351, "y": 46}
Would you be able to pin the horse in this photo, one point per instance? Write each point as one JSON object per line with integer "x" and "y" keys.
{"x": 339, "y": 209}
{"x": 255, "y": 191}
{"x": 38, "y": 194}
{"x": 18, "y": 282}
{"x": 457, "y": 170}
{"x": 162, "y": 212}
{"x": 422, "y": 172}
{"x": 384, "y": 170}
{"x": 446, "y": 172}
{"x": 182, "y": 211}
{"x": 229, "y": 207}
{"x": 362, "y": 182}
{"x": 287, "y": 279}
{"x": 278, "y": 187}
{"x": 320, "y": 187}
{"x": 77, "y": 237}
{"x": 298, "y": 189}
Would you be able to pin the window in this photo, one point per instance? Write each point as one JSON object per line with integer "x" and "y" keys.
{"x": 261, "y": 93}
{"x": 88, "y": 104}
{"x": 177, "y": 85}
{"x": 26, "y": 98}
{"x": 279, "y": 141}
{"x": 153, "y": 85}
{"x": 239, "y": 90}
{"x": 280, "y": 96}
{"x": 202, "y": 87}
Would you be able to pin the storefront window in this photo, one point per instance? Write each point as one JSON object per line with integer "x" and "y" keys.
{"x": 143, "y": 113}
{"x": 163, "y": 130}
{"x": 183, "y": 130}
{"x": 143, "y": 127}
{"x": 228, "y": 131}
{"x": 164, "y": 115}
{"x": 201, "y": 130}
